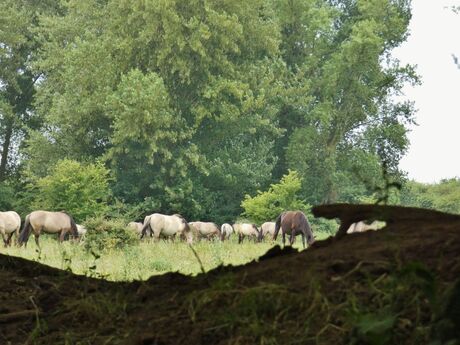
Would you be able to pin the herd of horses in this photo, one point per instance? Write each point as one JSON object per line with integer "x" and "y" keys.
{"x": 291, "y": 223}
{"x": 156, "y": 225}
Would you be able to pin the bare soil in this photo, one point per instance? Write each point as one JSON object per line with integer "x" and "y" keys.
{"x": 398, "y": 285}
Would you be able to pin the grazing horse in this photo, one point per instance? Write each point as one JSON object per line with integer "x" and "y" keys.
{"x": 10, "y": 223}
{"x": 294, "y": 223}
{"x": 81, "y": 230}
{"x": 246, "y": 229}
{"x": 226, "y": 231}
{"x": 206, "y": 230}
{"x": 136, "y": 227}
{"x": 50, "y": 222}
{"x": 267, "y": 228}
{"x": 167, "y": 226}
{"x": 362, "y": 227}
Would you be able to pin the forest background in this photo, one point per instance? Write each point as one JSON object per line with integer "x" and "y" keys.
{"x": 210, "y": 109}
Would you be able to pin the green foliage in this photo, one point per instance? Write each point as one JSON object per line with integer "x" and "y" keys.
{"x": 6, "y": 196}
{"x": 20, "y": 43}
{"x": 347, "y": 105}
{"x": 193, "y": 105}
{"x": 442, "y": 196}
{"x": 375, "y": 329}
{"x": 81, "y": 190}
{"x": 324, "y": 226}
{"x": 104, "y": 235}
{"x": 160, "y": 90}
{"x": 137, "y": 211}
{"x": 280, "y": 197}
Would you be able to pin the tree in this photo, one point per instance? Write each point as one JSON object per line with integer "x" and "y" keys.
{"x": 442, "y": 196}
{"x": 160, "y": 89}
{"x": 278, "y": 198}
{"x": 19, "y": 44}
{"x": 351, "y": 78}
{"x": 194, "y": 104}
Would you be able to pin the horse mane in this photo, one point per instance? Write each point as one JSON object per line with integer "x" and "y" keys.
{"x": 178, "y": 215}
{"x": 218, "y": 228}
{"x": 184, "y": 221}
{"x": 73, "y": 225}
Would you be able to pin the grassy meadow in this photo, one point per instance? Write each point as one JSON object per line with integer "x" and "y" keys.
{"x": 144, "y": 259}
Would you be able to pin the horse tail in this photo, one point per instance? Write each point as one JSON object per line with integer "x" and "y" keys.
{"x": 25, "y": 233}
{"x": 260, "y": 236}
{"x": 277, "y": 226}
{"x": 145, "y": 228}
{"x": 223, "y": 232}
{"x": 18, "y": 229}
{"x": 186, "y": 226}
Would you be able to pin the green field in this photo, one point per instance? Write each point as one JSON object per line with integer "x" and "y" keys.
{"x": 138, "y": 262}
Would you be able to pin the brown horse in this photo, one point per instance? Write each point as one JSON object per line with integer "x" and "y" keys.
{"x": 51, "y": 222}
{"x": 294, "y": 223}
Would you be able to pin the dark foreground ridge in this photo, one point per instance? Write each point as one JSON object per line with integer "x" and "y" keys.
{"x": 398, "y": 285}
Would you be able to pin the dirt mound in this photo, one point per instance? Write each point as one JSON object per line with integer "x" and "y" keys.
{"x": 392, "y": 286}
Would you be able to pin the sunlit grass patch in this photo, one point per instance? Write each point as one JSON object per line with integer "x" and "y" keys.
{"x": 143, "y": 259}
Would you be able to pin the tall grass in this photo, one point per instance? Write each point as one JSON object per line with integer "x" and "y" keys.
{"x": 144, "y": 259}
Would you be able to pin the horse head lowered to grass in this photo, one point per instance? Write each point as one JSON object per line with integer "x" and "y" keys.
{"x": 166, "y": 226}
{"x": 294, "y": 223}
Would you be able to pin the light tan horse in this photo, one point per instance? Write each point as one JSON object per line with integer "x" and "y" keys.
{"x": 246, "y": 230}
{"x": 81, "y": 231}
{"x": 136, "y": 227}
{"x": 362, "y": 227}
{"x": 206, "y": 230}
{"x": 266, "y": 229}
{"x": 50, "y": 222}
{"x": 10, "y": 223}
{"x": 226, "y": 231}
{"x": 167, "y": 226}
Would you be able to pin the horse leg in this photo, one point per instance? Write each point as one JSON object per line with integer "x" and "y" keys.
{"x": 303, "y": 239}
{"x": 284, "y": 236}
{"x": 8, "y": 241}
{"x": 62, "y": 236}
{"x": 36, "y": 240}
{"x": 240, "y": 238}
{"x": 292, "y": 237}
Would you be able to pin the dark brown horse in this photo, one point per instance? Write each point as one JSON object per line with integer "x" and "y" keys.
{"x": 294, "y": 223}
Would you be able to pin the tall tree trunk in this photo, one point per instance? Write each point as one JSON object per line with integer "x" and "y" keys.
{"x": 5, "y": 149}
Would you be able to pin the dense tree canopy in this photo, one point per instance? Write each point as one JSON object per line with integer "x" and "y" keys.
{"x": 192, "y": 105}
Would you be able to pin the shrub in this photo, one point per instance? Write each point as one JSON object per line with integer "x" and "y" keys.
{"x": 280, "y": 197}
{"x": 81, "y": 190}
{"x": 104, "y": 235}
